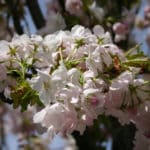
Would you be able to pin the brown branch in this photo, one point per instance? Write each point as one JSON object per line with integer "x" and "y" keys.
{"x": 13, "y": 8}
{"x": 4, "y": 99}
{"x": 36, "y": 13}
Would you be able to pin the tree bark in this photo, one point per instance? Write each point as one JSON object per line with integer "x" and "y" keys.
{"x": 36, "y": 13}
{"x": 13, "y": 8}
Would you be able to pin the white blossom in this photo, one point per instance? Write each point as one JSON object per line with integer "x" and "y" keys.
{"x": 55, "y": 22}
{"x": 57, "y": 118}
{"x": 98, "y": 12}
{"x": 78, "y": 75}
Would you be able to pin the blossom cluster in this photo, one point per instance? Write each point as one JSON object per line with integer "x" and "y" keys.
{"x": 77, "y": 75}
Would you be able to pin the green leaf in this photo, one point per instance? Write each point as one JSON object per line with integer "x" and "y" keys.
{"x": 23, "y": 95}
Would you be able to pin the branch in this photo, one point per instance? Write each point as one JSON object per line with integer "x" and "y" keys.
{"x": 62, "y": 4}
{"x": 4, "y": 99}
{"x": 13, "y": 7}
{"x": 36, "y": 13}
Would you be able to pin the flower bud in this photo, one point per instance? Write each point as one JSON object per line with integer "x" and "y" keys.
{"x": 147, "y": 12}
{"x": 74, "y": 7}
{"x": 94, "y": 101}
{"x": 120, "y": 28}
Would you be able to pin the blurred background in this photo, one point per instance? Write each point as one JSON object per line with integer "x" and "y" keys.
{"x": 128, "y": 23}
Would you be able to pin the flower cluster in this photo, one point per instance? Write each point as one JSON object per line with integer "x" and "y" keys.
{"x": 77, "y": 75}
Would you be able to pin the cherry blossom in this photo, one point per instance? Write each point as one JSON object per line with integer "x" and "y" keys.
{"x": 77, "y": 75}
